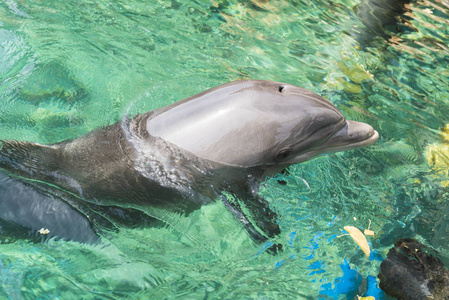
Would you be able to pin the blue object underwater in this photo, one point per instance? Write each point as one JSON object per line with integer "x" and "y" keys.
{"x": 349, "y": 285}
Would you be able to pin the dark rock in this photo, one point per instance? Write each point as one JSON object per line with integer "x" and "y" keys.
{"x": 411, "y": 272}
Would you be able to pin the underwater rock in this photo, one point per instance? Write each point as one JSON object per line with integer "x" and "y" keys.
{"x": 53, "y": 82}
{"x": 409, "y": 272}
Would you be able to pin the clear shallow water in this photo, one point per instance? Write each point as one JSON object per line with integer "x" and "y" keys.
{"x": 67, "y": 67}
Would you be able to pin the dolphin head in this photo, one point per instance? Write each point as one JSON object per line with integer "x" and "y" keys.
{"x": 254, "y": 123}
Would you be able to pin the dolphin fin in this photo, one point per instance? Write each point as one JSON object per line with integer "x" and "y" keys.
{"x": 256, "y": 216}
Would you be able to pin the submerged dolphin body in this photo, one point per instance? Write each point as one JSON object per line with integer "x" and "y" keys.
{"x": 222, "y": 141}
{"x": 384, "y": 19}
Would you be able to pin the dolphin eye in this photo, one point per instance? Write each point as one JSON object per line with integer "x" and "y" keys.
{"x": 283, "y": 154}
{"x": 281, "y": 88}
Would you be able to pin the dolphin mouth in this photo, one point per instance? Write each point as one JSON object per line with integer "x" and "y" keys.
{"x": 351, "y": 136}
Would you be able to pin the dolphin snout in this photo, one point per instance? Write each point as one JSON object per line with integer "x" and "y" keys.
{"x": 352, "y": 135}
{"x": 358, "y": 131}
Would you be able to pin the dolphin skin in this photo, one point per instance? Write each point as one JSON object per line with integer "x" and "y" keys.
{"x": 221, "y": 142}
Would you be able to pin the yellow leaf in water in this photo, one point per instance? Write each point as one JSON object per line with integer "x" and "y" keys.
{"x": 368, "y": 232}
{"x": 359, "y": 238}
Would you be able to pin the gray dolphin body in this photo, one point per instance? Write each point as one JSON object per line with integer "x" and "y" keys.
{"x": 179, "y": 157}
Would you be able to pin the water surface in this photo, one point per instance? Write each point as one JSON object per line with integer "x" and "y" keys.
{"x": 67, "y": 67}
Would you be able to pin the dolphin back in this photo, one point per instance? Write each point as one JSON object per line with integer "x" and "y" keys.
{"x": 27, "y": 159}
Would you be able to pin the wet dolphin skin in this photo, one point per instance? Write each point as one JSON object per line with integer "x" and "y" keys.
{"x": 225, "y": 140}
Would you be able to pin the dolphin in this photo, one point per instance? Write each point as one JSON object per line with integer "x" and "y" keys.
{"x": 218, "y": 144}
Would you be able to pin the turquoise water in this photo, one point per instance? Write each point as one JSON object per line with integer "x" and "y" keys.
{"x": 67, "y": 67}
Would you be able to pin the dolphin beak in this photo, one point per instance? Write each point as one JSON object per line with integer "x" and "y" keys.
{"x": 351, "y": 136}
